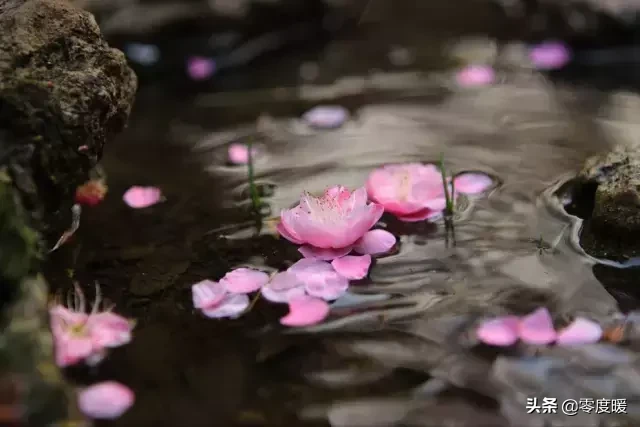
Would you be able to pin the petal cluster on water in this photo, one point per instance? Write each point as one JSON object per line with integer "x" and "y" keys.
{"x": 537, "y": 328}
{"x": 415, "y": 191}
{"x": 80, "y": 336}
{"x": 139, "y": 197}
{"x": 331, "y": 225}
{"x": 105, "y": 400}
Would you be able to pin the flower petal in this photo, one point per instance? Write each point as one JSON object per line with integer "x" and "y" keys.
{"x": 550, "y": 55}
{"x": 352, "y": 267}
{"x": 105, "y": 400}
{"x": 323, "y": 254}
{"x": 501, "y": 331}
{"x": 283, "y": 287}
{"x": 328, "y": 287}
{"x": 244, "y": 280}
{"x": 421, "y": 215}
{"x": 305, "y": 311}
{"x": 70, "y": 349}
{"x": 475, "y": 75}
{"x": 326, "y": 117}
{"x": 232, "y": 305}
{"x": 472, "y": 183}
{"x": 207, "y": 293}
{"x": 142, "y": 197}
{"x": 580, "y": 331}
{"x": 375, "y": 242}
{"x": 109, "y": 329}
{"x": 200, "y": 68}
{"x": 287, "y": 234}
{"x": 537, "y": 328}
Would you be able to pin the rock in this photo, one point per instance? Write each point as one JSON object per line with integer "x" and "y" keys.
{"x": 612, "y": 227}
{"x": 63, "y": 94}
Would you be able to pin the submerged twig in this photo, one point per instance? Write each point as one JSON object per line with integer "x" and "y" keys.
{"x": 450, "y": 206}
{"x": 76, "y": 211}
{"x": 255, "y": 197}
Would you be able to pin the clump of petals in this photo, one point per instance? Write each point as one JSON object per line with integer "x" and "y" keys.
{"x": 283, "y": 287}
{"x": 306, "y": 311}
{"x": 244, "y": 280}
{"x": 475, "y": 75}
{"x": 239, "y": 153}
{"x": 415, "y": 191}
{"x": 333, "y": 222}
{"x": 326, "y": 117}
{"x": 537, "y": 328}
{"x": 550, "y": 55}
{"x": 91, "y": 192}
{"x": 105, "y": 400}
{"x": 139, "y": 197}
{"x": 213, "y": 300}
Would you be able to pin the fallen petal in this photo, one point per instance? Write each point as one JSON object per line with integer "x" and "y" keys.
{"x": 109, "y": 329}
{"x": 329, "y": 287}
{"x": 232, "y": 305}
{"x": 239, "y": 153}
{"x": 283, "y": 287}
{"x": 144, "y": 54}
{"x": 323, "y": 254}
{"x": 475, "y": 75}
{"x": 142, "y": 197}
{"x": 200, "y": 68}
{"x": 537, "y": 328}
{"x": 375, "y": 242}
{"x": 472, "y": 183}
{"x": 501, "y": 332}
{"x": 326, "y": 117}
{"x": 421, "y": 215}
{"x": 550, "y": 55}
{"x": 580, "y": 331}
{"x": 244, "y": 280}
{"x": 207, "y": 293}
{"x": 305, "y": 311}
{"x": 106, "y": 400}
{"x": 352, "y": 267}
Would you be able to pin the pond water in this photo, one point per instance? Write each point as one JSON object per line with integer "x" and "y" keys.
{"x": 396, "y": 351}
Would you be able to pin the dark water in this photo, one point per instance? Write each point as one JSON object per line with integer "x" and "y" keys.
{"x": 407, "y": 325}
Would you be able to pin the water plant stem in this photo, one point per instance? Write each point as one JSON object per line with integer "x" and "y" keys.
{"x": 448, "y": 198}
{"x": 255, "y": 198}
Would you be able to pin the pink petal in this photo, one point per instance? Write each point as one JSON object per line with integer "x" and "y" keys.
{"x": 326, "y": 117}
{"x": 283, "y": 287}
{"x": 550, "y": 55}
{"x": 328, "y": 287}
{"x": 232, "y": 305}
{"x": 244, "y": 280}
{"x": 537, "y": 328}
{"x": 375, "y": 242}
{"x": 284, "y": 232}
{"x": 109, "y": 329}
{"x": 475, "y": 75}
{"x": 207, "y": 293}
{"x": 200, "y": 68}
{"x": 502, "y": 331}
{"x": 71, "y": 350}
{"x": 323, "y": 254}
{"x": 105, "y": 400}
{"x": 472, "y": 183}
{"x": 239, "y": 153}
{"x": 352, "y": 267}
{"x": 305, "y": 311}
{"x": 419, "y": 216}
{"x": 580, "y": 331}
{"x": 142, "y": 197}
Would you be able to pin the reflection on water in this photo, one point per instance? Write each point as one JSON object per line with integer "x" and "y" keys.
{"x": 396, "y": 350}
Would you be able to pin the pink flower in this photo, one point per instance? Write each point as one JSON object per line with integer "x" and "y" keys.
{"x": 414, "y": 191}
{"x": 105, "y": 400}
{"x": 239, "y": 153}
{"x": 142, "y": 197}
{"x": 475, "y": 75}
{"x": 537, "y": 328}
{"x": 81, "y": 336}
{"x": 200, "y": 68}
{"x": 329, "y": 226}
{"x": 550, "y": 55}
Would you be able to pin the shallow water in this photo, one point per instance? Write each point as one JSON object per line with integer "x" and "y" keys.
{"x": 396, "y": 351}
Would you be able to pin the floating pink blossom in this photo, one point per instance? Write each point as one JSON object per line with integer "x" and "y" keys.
{"x": 81, "y": 336}
{"x": 475, "y": 75}
{"x": 214, "y": 300}
{"x": 537, "y": 328}
{"x": 414, "y": 191}
{"x": 105, "y": 400}
{"x": 550, "y": 55}
{"x": 239, "y": 153}
{"x": 326, "y": 117}
{"x": 91, "y": 192}
{"x": 320, "y": 279}
{"x": 305, "y": 311}
{"x": 200, "y": 68}
{"x": 329, "y": 226}
{"x": 142, "y": 197}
